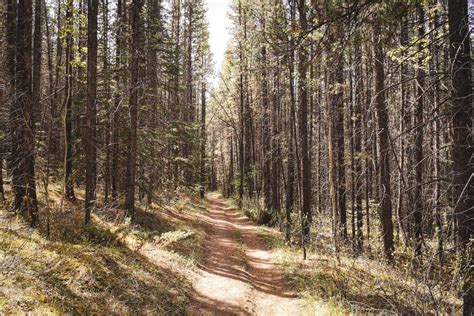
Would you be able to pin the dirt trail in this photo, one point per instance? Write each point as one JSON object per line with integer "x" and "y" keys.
{"x": 238, "y": 276}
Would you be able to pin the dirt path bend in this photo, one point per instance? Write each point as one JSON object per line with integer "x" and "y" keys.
{"x": 238, "y": 276}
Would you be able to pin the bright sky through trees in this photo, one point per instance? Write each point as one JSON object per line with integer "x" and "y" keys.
{"x": 219, "y": 24}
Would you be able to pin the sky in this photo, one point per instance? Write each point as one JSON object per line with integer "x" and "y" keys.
{"x": 219, "y": 25}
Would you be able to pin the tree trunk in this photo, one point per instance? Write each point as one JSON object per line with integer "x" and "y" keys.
{"x": 463, "y": 167}
{"x": 68, "y": 180}
{"x": 403, "y": 119}
{"x": 203, "y": 131}
{"x": 338, "y": 107}
{"x": 10, "y": 65}
{"x": 24, "y": 169}
{"x": 135, "y": 93}
{"x": 241, "y": 116}
{"x": 275, "y": 151}
{"x": 290, "y": 187}
{"x": 418, "y": 150}
{"x": 385, "y": 207}
{"x": 189, "y": 111}
{"x": 437, "y": 143}
{"x": 108, "y": 119}
{"x": 367, "y": 162}
{"x": 306, "y": 213}
{"x": 358, "y": 90}
{"x": 91, "y": 113}
{"x": 231, "y": 168}
{"x": 266, "y": 141}
{"x": 116, "y": 118}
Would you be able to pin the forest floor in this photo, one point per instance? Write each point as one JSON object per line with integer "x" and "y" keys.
{"x": 238, "y": 275}
{"x": 186, "y": 256}
{"x": 112, "y": 267}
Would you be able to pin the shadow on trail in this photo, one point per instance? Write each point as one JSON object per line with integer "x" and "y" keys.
{"x": 237, "y": 256}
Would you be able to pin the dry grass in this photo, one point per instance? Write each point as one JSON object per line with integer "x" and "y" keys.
{"x": 111, "y": 267}
{"x": 363, "y": 284}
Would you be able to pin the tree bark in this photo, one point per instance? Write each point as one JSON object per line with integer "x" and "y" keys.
{"x": 461, "y": 111}
{"x": 404, "y": 117}
{"x": 68, "y": 180}
{"x": 108, "y": 119}
{"x": 266, "y": 140}
{"x": 241, "y": 115}
{"x": 418, "y": 150}
{"x": 338, "y": 106}
{"x": 359, "y": 91}
{"x": 290, "y": 187}
{"x": 135, "y": 93}
{"x": 306, "y": 213}
{"x": 23, "y": 129}
{"x": 385, "y": 207}
{"x": 203, "y": 131}
{"x": 91, "y": 115}
{"x": 116, "y": 118}
{"x": 10, "y": 65}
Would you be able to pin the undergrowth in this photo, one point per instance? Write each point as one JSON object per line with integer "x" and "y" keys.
{"x": 361, "y": 282}
{"x": 111, "y": 267}
{"x": 364, "y": 283}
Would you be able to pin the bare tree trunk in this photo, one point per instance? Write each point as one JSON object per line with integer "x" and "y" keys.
{"x": 418, "y": 152}
{"x": 385, "y": 207}
{"x": 14, "y": 140}
{"x": 24, "y": 131}
{"x": 68, "y": 180}
{"x": 189, "y": 111}
{"x": 106, "y": 65}
{"x": 290, "y": 187}
{"x": 359, "y": 91}
{"x": 437, "y": 144}
{"x": 338, "y": 107}
{"x": 350, "y": 127}
{"x": 231, "y": 168}
{"x": 91, "y": 113}
{"x": 275, "y": 151}
{"x": 241, "y": 115}
{"x": 367, "y": 162}
{"x": 463, "y": 167}
{"x": 266, "y": 141}
{"x": 52, "y": 104}
{"x": 249, "y": 143}
{"x": 203, "y": 130}
{"x": 306, "y": 213}
{"x": 116, "y": 119}
{"x": 135, "y": 93}
{"x": 403, "y": 119}
{"x": 55, "y": 146}
{"x": 332, "y": 171}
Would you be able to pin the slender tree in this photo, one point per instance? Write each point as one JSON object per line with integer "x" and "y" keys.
{"x": 461, "y": 114}
{"x": 306, "y": 212}
{"x": 383, "y": 155}
{"x": 91, "y": 117}
{"x": 23, "y": 128}
{"x": 203, "y": 130}
{"x": 418, "y": 159}
{"x": 68, "y": 158}
{"x": 135, "y": 94}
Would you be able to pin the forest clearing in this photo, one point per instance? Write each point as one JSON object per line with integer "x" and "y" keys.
{"x": 236, "y": 157}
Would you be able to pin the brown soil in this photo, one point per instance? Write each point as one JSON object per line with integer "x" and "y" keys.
{"x": 238, "y": 276}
